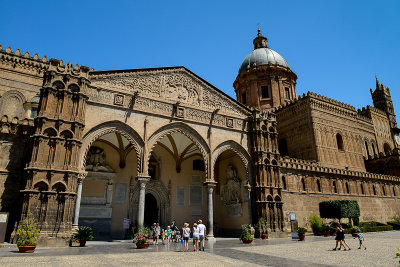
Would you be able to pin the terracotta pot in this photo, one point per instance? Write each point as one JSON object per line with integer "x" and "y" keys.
{"x": 326, "y": 233}
{"x": 247, "y": 241}
{"x": 142, "y": 245}
{"x": 26, "y": 249}
{"x": 82, "y": 243}
{"x": 264, "y": 236}
{"x": 354, "y": 234}
{"x": 302, "y": 237}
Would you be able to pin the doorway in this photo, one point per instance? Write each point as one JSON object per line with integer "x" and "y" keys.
{"x": 150, "y": 210}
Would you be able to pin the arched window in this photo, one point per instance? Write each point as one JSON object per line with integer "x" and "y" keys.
{"x": 339, "y": 141}
{"x": 366, "y": 147}
{"x": 383, "y": 190}
{"x": 283, "y": 147}
{"x": 347, "y": 188}
{"x": 394, "y": 191}
{"x": 319, "y": 186}
{"x": 373, "y": 189}
{"x": 334, "y": 187}
{"x": 284, "y": 183}
{"x": 303, "y": 184}
{"x": 373, "y": 149}
{"x": 362, "y": 189}
{"x": 387, "y": 149}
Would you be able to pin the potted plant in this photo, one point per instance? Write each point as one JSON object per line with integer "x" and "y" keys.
{"x": 262, "y": 228}
{"x": 246, "y": 236}
{"x": 301, "y": 231}
{"x": 83, "y": 234}
{"x": 142, "y": 238}
{"x": 28, "y": 233}
{"x": 325, "y": 230}
{"x": 316, "y": 223}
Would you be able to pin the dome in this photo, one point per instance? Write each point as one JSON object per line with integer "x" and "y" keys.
{"x": 262, "y": 55}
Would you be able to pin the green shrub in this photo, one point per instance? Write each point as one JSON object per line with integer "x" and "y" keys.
{"x": 301, "y": 230}
{"x": 83, "y": 233}
{"x": 262, "y": 226}
{"x": 371, "y": 223}
{"x": 338, "y": 209}
{"x": 394, "y": 224}
{"x": 376, "y": 228}
{"x": 246, "y": 235}
{"x": 315, "y": 221}
{"x": 28, "y": 231}
{"x": 396, "y": 218}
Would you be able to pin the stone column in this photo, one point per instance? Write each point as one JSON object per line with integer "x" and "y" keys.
{"x": 78, "y": 198}
{"x": 248, "y": 188}
{"x": 210, "y": 210}
{"x": 142, "y": 186}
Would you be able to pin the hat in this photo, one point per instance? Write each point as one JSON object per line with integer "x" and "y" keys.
{"x": 358, "y": 230}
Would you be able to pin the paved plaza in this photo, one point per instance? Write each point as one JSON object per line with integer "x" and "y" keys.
{"x": 315, "y": 251}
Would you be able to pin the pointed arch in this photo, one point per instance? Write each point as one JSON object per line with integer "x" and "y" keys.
{"x": 108, "y": 127}
{"x": 178, "y": 127}
{"x": 238, "y": 149}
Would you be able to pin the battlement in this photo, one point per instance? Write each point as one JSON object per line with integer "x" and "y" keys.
{"x": 313, "y": 166}
{"x": 59, "y": 66}
{"x": 15, "y": 125}
{"x": 364, "y": 111}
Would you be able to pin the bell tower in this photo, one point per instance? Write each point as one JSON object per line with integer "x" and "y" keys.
{"x": 265, "y": 79}
{"x": 383, "y": 101}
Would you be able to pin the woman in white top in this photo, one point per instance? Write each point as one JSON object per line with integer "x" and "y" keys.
{"x": 196, "y": 233}
{"x": 186, "y": 235}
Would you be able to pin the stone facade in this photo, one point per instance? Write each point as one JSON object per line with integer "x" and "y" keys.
{"x": 85, "y": 147}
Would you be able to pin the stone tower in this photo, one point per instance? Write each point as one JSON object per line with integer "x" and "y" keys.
{"x": 53, "y": 171}
{"x": 265, "y": 79}
{"x": 267, "y": 199}
{"x": 383, "y": 101}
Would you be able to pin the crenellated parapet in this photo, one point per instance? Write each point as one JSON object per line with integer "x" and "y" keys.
{"x": 23, "y": 61}
{"x": 16, "y": 126}
{"x": 315, "y": 167}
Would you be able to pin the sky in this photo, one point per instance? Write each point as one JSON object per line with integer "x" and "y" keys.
{"x": 335, "y": 47}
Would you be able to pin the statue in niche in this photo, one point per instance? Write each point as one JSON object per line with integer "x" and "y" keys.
{"x": 96, "y": 160}
{"x": 231, "y": 193}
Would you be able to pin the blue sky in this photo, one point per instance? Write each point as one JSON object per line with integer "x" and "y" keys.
{"x": 334, "y": 47}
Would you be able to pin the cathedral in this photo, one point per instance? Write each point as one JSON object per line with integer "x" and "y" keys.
{"x": 100, "y": 148}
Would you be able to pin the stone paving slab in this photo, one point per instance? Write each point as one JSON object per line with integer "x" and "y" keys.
{"x": 381, "y": 250}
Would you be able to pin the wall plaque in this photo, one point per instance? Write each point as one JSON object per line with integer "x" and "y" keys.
{"x": 120, "y": 193}
{"x": 195, "y": 195}
{"x": 180, "y": 196}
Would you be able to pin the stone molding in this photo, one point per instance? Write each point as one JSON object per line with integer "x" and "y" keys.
{"x": 238, "y": 149}
{"x": 108, "y": 127}
{"x": 186, "y": 130}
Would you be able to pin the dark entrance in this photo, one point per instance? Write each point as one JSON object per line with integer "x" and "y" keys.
{"x": 150, "y": 210}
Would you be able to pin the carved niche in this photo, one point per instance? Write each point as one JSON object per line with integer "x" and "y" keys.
{"x": 96, "y": 160}
{"x": 12, "y": 104}
{"x": 231, "y": 192}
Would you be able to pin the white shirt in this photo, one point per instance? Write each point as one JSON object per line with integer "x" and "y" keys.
{"x": 201, "y": 228}
{"x": 196, "y": 231}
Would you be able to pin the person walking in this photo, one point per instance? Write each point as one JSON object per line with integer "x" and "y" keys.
{"x": 360, "y": 239}
{"x": 202, "y": 234}
{"x": 169, "y": 234}
{"x": 157, "y": 232}
{"x": 186, "y": 235}
{"x": 340, "y": 238}
{"x": 196, "y": 234}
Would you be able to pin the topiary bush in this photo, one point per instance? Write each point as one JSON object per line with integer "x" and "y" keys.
{"x": 338, "y": 209}
{"x": 394, "y": 224}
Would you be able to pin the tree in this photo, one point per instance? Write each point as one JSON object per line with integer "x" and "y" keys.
{"x": 338, "y": 209}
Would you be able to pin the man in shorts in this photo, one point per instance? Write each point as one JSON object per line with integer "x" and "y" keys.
{"x": 202, "y": 234}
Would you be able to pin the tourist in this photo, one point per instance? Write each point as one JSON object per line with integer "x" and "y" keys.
{"x": 157, "y": 233}
{"x": 360, "y": 239}
{"x": 186, "y": 235}
{"x": 340, "y": 237}
{"x": 162, "y": 235}
{"x": 195, "y": 237}
{"x": 173, "y": 229}
{"x": 153, "y": 229}
{"x": 169, "y": 234}
{"x": 202, "y": 234}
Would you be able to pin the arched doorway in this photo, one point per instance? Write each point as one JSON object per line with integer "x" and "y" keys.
{"x": 150, "y": 210}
